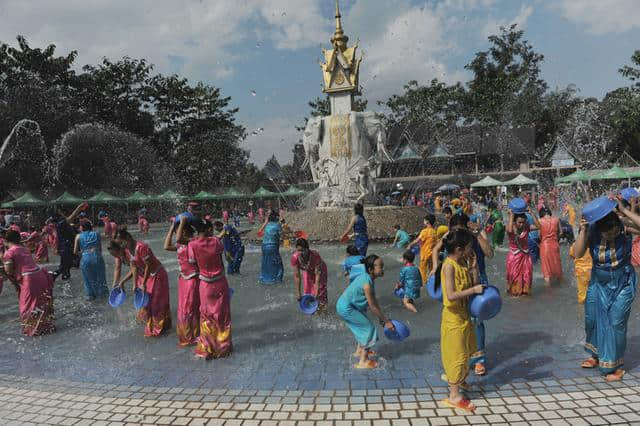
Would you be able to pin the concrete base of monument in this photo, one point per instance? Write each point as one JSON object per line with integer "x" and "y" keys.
{"x": 326, "y": 224}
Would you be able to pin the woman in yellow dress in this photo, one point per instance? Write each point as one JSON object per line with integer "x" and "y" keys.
{"x": 457, "y": 335}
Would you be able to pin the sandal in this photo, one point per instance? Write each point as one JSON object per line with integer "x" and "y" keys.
{"x": 616, "y": 376}
{"x": 464, "y": 405}
{"x": 370, "y": 364}
{"x": 480, "y": 369}
{"x": 589, "y": 363}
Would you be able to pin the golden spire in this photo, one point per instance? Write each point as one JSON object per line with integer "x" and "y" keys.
{"x": 339, "y": 39}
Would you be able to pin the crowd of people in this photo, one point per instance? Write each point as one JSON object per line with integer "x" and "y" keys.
{"x": 453, "y": 249}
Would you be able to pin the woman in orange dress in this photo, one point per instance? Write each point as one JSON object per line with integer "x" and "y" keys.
{"x": 550, "y": 231}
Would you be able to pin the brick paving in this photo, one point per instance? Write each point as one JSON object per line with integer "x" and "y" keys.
{"x": 25, "y": 401}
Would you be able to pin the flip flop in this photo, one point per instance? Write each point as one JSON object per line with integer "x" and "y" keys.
{"x": 464, "y": 385}
{"x": 371, "y": 364}
{"x": 464, "y": 405}
{"x": 480, "y": 369}
{"x": 615, "y": 376}
{"x": 589, "y": 363}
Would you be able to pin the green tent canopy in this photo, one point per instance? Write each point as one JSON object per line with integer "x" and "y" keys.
{"x": 577, "y": 176}
{"x": 264, "y": 193}
{"x": 614, "y": 173}
{"x": 170, "y": 195}
{"x": 487, "y": 182}
{"x": 104, "y": 198}
{"x": 28, "y": 200}
{"x": 137, "y": 197}
{"x": 67, "y": 198}
{"x": 293, "y": 192}
{"x": 7, "y": 205}
{"x": 204, "y": 195}
{"x": 233, "y": 193}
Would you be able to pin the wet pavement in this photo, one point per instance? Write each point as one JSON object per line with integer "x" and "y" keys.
{"x": 276, "y": 348}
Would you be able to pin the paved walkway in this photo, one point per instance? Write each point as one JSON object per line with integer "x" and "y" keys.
{"x": 579, "y": 401}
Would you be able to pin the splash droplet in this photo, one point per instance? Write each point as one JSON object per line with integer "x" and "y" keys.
{"x": 253, "y": 93}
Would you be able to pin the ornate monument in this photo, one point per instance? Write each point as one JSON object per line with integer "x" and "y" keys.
{"x": 344, "y": 150}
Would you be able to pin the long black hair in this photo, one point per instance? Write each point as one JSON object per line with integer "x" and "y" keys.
{"x": 369, "y": 262}
{"x": 358, "y": 209}
{"x": 608, "y": 222}
{"x": 460, "y": 238}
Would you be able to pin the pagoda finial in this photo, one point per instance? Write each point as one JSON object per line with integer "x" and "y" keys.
{"x": 339, "y": 39}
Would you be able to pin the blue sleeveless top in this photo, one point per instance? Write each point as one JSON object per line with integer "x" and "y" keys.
{"x": 89, "y": 240}
{"x": 360, "y": 227}
{"x": 272, "y": 233}
{"x": 609, "y": 255}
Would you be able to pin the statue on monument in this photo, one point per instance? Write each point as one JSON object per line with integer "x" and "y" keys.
{"x": 345, "y": 150}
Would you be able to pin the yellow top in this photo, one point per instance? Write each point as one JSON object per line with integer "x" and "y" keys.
{"x": 462, "y": 281}
{"x": 581, "y": 264}
{"x": 428, "y": 238}
{"x": 442, "y": 229}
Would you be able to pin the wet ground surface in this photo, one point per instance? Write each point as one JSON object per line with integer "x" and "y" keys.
{"x": 277, "y": 348}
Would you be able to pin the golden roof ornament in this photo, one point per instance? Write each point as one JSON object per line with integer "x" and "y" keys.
{"x": 341, "y": 67}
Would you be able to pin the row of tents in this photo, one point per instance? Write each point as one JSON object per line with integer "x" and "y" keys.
{"x": 488, "y": 182}
{"x": 614, "y": 173}
{"x": 29, "y": 200}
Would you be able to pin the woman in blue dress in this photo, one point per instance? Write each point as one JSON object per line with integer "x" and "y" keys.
{"x": 612, "y": 287}
{"x": 358, "y": 225}
{"x": 88, "y": 244}
{"x": 352, "y": 307}
{"x": 272, "y": 268}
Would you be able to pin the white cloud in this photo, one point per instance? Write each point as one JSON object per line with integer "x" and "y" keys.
{"x": 402, "y": 42}
{"x": 601, "y": 16}
{"x": 493, "y": 25}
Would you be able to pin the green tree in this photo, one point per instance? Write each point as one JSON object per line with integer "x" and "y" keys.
{"x": 93, "y": 157}
{"x": 118, "y": 93}
{"x": 38, "y": 85}
{"x": 622, "y": 108}
{"x": 506, "y": 84}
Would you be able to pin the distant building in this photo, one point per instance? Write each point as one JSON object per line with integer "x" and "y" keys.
{"x": 461, "y": 150}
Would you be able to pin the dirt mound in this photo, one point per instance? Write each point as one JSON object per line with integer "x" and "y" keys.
{"x": 328, "y": 224}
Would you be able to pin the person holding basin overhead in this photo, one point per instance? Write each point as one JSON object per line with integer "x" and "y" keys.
{"x": 612, "y": 288}
{"x": 352, "y": 307}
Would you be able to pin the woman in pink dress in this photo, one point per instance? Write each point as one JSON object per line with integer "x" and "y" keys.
{"x": 149, "y": 275}
{"x": 205, "y": 252}
{"x": 143, "y": 224}
{"x": 251, "y": 217}
{"x": 550, "y": 231}
{"x": 52, "y": 236}
{"x": 33, "y": 285}
{"x": 108, "y": 232}
{"x": 314, "y": 273}
{"x": 188, "y": 326}
{"x": 40, "y": 244}
{"x": 519, "y": 263}
{"x": 225, "y": 216}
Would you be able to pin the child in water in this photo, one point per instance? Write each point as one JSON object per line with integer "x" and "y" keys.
{"x": 457, "y": 335}
{"x": 410, "y": 280}
{"x": 354, "y": 257}
{"x": 402, "y": 238}
{"x": 582, "y": 270}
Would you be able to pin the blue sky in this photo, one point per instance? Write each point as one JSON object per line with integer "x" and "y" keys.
{"x": 271, "y": 47}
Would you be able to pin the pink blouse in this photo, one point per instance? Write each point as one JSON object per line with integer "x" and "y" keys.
{"x": 23, "y": 263}
{"x": 315, "y": 261}
{"x": 206, "y": 253}
{"x": 187, "y": 270}
{"x": 142, "y": 254}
